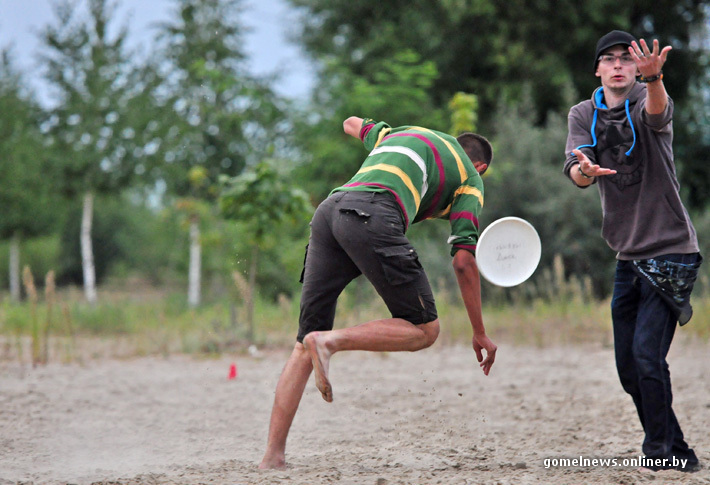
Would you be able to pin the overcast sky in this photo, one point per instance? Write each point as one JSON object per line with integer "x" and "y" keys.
{"x": 267, "y": 45}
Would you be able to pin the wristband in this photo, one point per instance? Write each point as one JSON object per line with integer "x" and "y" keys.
{"x": 651, "y": 79}
{"x": 579, "y": 168}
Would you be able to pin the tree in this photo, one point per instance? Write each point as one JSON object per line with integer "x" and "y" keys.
{"x": 264, "y": 199}
{"x": 99, "y": 120}
{"x": 464, "y": 113}
{"x": 25, "y": 190}
{"x": 195, "y": 210}
{"x": 399, "y": 94}
{"x": 223, "y": 118}
{"x": 495, "y": 49}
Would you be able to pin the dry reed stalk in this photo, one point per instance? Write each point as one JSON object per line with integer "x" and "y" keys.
{"x": 50, "y": 294}
{"x": 70, "y": 347}
{"x": 31, "y": 290}
{"x": 560, "y": 282}
{"x": 245, "y": 290}
{"x": 242, "y": 285}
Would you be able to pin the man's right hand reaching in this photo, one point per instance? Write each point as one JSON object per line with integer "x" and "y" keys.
{"x": 589, "y": 169}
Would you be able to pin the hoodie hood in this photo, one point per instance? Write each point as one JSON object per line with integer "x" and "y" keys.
{"x": 598, "y": 102}
{"x": 637, "y": 91}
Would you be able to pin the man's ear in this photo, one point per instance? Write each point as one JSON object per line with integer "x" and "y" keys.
{"x": 480, "y": 167}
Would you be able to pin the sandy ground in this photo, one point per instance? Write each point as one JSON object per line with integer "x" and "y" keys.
{"x": 400, "y": 418}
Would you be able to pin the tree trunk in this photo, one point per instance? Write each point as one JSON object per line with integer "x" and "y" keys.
{"x": 87, "y": 251}
{"x": 252, "y": 291}
{"x": 193, "y": 291}
{"x": 15, "y": 267}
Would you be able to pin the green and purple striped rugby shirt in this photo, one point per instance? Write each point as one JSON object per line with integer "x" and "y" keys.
{"x": 427, "y": 172}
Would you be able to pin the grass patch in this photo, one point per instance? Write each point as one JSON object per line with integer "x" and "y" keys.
{"x": 61, "y": 327}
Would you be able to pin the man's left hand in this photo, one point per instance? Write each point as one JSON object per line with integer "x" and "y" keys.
{"x": 649, "y": 63}
{"x": 481, "y": 342}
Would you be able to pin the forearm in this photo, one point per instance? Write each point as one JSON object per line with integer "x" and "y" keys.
{"x": 650, "y": 65}
{"x": 469, "y": 283}
{"x": 656, "y": 97}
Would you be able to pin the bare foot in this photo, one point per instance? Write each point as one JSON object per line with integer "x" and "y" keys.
{"x": 269, "y": 463}
{"x": 320, "y": 356}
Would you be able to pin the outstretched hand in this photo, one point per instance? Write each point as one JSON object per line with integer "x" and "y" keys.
{"x": 591, "y": 169}
{"x": 649, "y": 63}
{"x": 481, "y": 342}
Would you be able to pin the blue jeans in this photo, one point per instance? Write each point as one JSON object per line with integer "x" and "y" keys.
{"x": 644, "y": 325}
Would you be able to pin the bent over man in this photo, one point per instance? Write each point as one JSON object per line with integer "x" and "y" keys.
{"x": 411, "y": 174}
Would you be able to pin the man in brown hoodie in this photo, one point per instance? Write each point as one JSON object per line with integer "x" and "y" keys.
{"x": 621, "y": 140}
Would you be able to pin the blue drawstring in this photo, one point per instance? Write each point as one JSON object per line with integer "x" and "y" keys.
{"x": 633, "y": 131}
{"x": 599, "y": 95}
{"x": 594, "y": 136}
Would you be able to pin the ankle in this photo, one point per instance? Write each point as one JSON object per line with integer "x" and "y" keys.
{"x": 273, "y": 460}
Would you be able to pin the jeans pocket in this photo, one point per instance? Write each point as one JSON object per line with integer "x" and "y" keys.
{"x": 399, "y": 263}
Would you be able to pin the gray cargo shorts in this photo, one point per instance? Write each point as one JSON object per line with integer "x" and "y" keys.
{"x": 354, "y": 233}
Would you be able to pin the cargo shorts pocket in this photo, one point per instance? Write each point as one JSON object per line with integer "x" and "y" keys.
{"x": 358, "y": 212}
{"x": 303, "y": 271}
{"x": 399, "y": 263}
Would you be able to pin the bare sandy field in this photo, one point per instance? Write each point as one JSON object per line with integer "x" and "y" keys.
{"x": 398, "y": 418}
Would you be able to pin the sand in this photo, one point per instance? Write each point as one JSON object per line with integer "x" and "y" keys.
{"x": 397, "y": 418}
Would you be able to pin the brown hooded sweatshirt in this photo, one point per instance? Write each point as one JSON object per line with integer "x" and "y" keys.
{"x": 643, "y": 215}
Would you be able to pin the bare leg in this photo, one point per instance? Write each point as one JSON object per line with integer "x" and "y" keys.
{"x": 391, "y": 334}
{"x": 387, "y": 335}
{"x": 289, "y": 391}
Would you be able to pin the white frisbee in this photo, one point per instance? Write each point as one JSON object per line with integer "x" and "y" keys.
{"x": 508, "y": 251}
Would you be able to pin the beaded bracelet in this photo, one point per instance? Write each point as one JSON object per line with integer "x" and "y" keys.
{"x": 651, "y": 79}
{"x": 579, "y": 167}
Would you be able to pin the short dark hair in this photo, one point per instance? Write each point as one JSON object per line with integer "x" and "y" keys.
{"x": 476, "y": 147}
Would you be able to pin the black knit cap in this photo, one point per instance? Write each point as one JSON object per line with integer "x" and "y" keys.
{"x": 615, "y": 37}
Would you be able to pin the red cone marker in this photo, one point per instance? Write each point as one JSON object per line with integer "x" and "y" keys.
{"x": 232, "y": 371}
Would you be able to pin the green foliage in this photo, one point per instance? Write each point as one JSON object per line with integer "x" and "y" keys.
{"x": 464, "y": 113}
{"x": 98, "y": 126}
{"x": 26, "y": 196}
{"x": 397, "y": 92}
{"x": 221, "y": 119}
{"x": 41, "y": 254}
{"x": 497, "y": 49}
{"x": 279, "y": 265}
{"x": 691, "y": 142}
{"x": 108, "y": 222}
{"x": 127, "y": 239}
{"x": 263, "y": 198}
{"x": 164, "y": 131}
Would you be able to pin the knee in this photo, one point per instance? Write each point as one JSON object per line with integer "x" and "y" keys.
{"x": 299, "y": 352}
{"x": 629, "y": 381}
{"x": 431, "y": 333}
{"x": 648, "y": 362}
